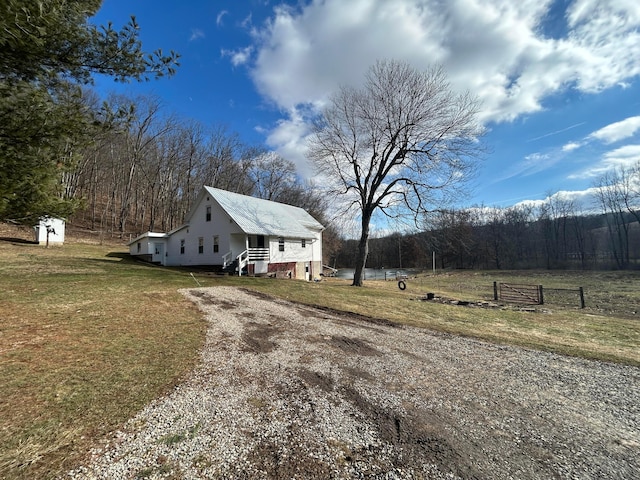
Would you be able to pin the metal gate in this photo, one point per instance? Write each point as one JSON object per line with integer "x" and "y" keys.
{"x": 515, "y": 293}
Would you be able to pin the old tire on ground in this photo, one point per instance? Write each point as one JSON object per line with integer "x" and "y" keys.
{"x": 402, "y": 285}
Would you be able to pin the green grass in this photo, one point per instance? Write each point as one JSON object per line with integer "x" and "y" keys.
{"x": 86, "y": 339}
{"x": 88, "y": 336}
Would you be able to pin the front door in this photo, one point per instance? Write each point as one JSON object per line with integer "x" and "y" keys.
{"x": 158, "y": 252}
{"x": 260, "y": 241}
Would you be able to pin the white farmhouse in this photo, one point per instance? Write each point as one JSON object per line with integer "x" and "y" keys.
{"x": 240, "y": 234}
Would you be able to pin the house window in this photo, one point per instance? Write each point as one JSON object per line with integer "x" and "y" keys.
{"x": 281, "y": 244}
{"x": 216, "y": 246}
{"x": 182, "y": 246}
{"x": 139, "y": 247}
{"x": 304, "y": 243}
{"x": 200, "y": 245}
{"x": 208, "y": 218}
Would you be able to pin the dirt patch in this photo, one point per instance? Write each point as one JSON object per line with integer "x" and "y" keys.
{"x": 256, "y": 294}
{"x": 270, "y": 457}
{"x": 416, "y": 435}
{"x": 316, "y": 379}
{"x": 209, "y": 299}
{"x": 355, "y": 317}
{"x": 257, "y": 337}
{"x": 322, "y": 312}
{"x": 353, "y": 346}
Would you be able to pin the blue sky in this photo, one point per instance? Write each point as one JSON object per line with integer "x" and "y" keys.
{"x": 559, "y": 80}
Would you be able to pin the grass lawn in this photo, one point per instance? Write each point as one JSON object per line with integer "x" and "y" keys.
{"x": 86, "y": 339}
{"x": 88, "y": 336}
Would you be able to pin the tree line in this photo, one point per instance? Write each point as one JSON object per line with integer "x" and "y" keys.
{"x": 144, "y": 171}
{"x": 556, "y": 234}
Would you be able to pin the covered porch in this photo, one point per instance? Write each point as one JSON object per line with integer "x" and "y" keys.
{"x": 253, "y": 250}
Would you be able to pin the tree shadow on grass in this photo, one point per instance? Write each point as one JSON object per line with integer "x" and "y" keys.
{"x": 123, "y": 256}
{"x": 18, "y": 240}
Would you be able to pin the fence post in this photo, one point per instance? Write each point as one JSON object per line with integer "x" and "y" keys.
{"x": 541, "y": 295}
{"x": 581, "y": 297}
{"x": 495, "y": 291}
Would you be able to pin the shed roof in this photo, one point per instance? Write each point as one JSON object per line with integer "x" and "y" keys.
{"x": 256, "y": 216}
{"x": 148, "y": 235}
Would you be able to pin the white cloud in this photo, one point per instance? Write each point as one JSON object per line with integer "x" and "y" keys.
{"x": 532, "y": 164}
{"x": 496, "y": 49}
{"x": 556, "y": 132}
{"x": 583, "y": 201}
{"x": 611, "y": 133}
{"x": 238, "y": 57}
{"x": 622, "y": 157}
{"x": 196, "y": 33}
{"x": 569, "y": 147}
{"x": 289, "y": 139}
{"x": 247, "y": 22}
{"x": 492, "y": 48}
{"x": 220, "y": 17}
{"x": 618, "y": 131}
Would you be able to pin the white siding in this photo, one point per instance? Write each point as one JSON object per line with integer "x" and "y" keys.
{"x": 56, "y": 231}
{"x": 151, "y": 245}
{"x": 293, "y": 250}
{"x": 142, "y": 246}
{"x": 220, "y": 225}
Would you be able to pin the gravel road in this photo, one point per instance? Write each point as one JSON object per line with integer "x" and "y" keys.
{"x": 288, "y": 391}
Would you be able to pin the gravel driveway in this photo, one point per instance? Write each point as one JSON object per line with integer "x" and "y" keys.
{"x": 287, "y": 391}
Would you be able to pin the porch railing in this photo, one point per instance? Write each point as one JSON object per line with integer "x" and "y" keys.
{"x": 246, "y": 257}
{"x": 226, "y": 259}
{"x": 257, "y": 254}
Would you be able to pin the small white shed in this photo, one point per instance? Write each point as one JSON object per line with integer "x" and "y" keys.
{"x": 50, "y": 231}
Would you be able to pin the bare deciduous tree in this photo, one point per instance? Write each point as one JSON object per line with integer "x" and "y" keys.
{"x": 401, "y": 144}
{"x": 618, "y": 192}
{"x": 272, "y": 175}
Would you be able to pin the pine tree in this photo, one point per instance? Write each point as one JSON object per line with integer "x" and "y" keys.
{"x": 48, "y": 51}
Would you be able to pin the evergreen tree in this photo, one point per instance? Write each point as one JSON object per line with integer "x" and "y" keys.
{"x": 48, "y": 50}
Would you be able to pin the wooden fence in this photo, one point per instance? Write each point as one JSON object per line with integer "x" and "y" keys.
{"x": 517, "y": 293}
{"x": 529, "y": 294}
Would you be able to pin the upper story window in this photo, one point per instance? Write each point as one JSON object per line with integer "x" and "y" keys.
{"x": 200, "y": 245}
{"x": 281, "y": 244}
{"x": 208, "y": 216}
{"x": 303, "y": 243}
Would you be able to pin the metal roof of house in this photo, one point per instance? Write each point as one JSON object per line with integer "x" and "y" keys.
{"x": 256, "y": 216}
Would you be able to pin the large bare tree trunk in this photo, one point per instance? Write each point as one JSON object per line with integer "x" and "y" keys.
{"x": 363, "y": 250}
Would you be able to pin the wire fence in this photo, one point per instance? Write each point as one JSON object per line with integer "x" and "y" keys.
{"x": 565, "y": 296}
